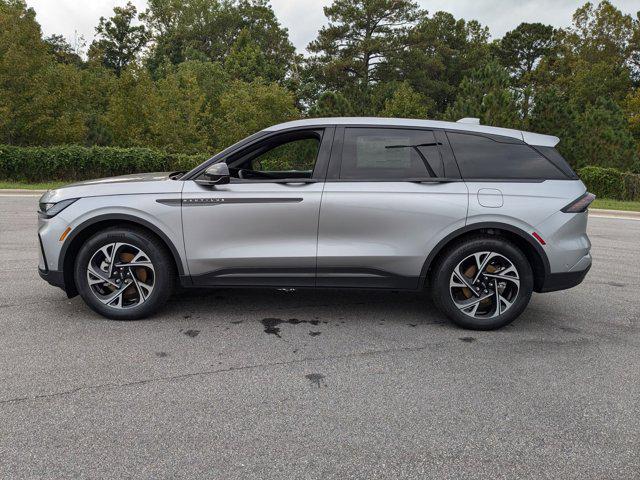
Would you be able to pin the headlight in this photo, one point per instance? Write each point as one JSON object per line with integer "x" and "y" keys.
{"x": 48, "y": 210}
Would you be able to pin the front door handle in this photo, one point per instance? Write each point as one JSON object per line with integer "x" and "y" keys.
{"x": 294, "y": 181}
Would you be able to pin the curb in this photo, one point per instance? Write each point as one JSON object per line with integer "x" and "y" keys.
{"x": 624, "y": 214}
{"x": 20, "y": 190}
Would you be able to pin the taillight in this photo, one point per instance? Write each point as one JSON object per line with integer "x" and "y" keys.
{"x": 581, "y": 204}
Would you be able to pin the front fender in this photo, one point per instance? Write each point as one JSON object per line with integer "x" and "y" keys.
{"x": 164, "y": 220}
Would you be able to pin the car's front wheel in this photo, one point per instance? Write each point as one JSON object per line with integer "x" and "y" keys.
{"x": 124, "y": 274}
{"x": 482, "y": 283}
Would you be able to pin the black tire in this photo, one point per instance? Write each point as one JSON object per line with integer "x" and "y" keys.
{"x": 164, "y": 275}
{"x": 457, "y": 253}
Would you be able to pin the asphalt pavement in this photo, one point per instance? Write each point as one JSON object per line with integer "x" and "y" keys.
{"x": 243, "y": 384}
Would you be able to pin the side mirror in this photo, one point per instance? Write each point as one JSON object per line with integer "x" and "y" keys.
{"x": 216, "y": 174}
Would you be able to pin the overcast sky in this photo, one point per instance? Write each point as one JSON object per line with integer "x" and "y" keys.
{"x": 303, "y": 18}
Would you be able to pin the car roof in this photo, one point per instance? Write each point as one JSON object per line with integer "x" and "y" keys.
{"x": 463, "y": 126}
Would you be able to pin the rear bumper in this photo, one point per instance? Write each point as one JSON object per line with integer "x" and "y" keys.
{"x": 564, "y": 280}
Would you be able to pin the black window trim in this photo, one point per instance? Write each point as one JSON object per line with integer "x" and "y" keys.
{"x": 267, "y": 144}
{"x": 571, "y": 175}
{"x": 506, "y": 140}
{"x": 320, "y": 168}
{"x": 335, "y": 162}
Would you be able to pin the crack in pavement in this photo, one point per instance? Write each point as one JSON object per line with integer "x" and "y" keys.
{"x": 220, "y": 370}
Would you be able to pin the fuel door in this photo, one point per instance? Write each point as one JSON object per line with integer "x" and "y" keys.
{"x": 490, "y": 198}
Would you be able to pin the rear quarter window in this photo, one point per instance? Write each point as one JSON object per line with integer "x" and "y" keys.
{"x": 481, "y": 157}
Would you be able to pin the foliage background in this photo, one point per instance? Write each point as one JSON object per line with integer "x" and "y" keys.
{"x": 185, "y": 79}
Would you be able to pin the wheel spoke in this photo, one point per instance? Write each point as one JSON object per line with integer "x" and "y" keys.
{"x": 134, "y": 264}
{"x": 115, "y": 299}
{"x": 499, "y": 276}
{"x": 99, "y": 277}
{"x": 463, "y": 281}
{"x": 144, "y": 289}
{"x": 110, "y": 257}
{"x": 482, "y": 264}
{"x": 473, "y": 302}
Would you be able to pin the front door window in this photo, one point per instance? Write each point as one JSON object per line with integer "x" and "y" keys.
{"x": 286, "y": 156}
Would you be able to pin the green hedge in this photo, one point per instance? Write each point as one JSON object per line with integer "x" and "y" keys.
{"x": 67, "y": 163}
{"x": 611, "y": 183}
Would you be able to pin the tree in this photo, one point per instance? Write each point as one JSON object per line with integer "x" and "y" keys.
{"x": 520, "y": 51}
{"x": 246, "y": 108}
{"x": 331, "y": 104}
{"x": 406, "y": 103}
{"x": 554, "y": 113}
{"x": 246, "y": 61}
{"x": 59, "y": 102}
{"x": 486, "y": 94}
{"x": 133, "y": 107}
{"x": 172, "y": 113}
{"x": 119, "y": 41}
{"x": 361, "y": 36}
{"x": 439, "y": 52}
{"x": 63, "y": 52}
{"x": 209, "y": 29}
{"x": 594, "y": 56}
{"x": 603, "y": 137}
{"x": 632, "y": 112}
{"x": 182, "y": 124}
{"x": 25, "y": 67}
{"x": 602, "y": 33}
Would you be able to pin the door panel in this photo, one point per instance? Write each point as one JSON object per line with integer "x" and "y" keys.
{"x": 378, "y": 234}
{"x": 256, "y": 231}
{"x": 246, "y": 233}
{"x": 376, "y": 228}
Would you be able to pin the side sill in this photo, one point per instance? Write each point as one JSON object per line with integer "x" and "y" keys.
{"x": 337, "y": 278}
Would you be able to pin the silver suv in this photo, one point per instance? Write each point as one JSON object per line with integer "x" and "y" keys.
{"x": 482, "y": 216}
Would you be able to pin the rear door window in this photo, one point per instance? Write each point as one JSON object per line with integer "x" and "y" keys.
{"x": 483, "y": 158}
{"x": 390, "y": 154}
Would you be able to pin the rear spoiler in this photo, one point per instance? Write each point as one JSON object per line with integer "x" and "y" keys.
{"x": 540, "y": 140}
{"x": 527, "y": 137}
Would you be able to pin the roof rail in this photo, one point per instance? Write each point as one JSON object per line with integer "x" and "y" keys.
{"x": 469, "y": 120}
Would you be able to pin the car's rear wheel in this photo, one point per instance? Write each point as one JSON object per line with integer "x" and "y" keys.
{"x": 124, "y": 274}
{"x": 482, "y": 283}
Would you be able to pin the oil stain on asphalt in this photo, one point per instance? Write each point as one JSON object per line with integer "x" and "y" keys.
{"x": 316, "y": 379}
{"x": 271, "y": 325}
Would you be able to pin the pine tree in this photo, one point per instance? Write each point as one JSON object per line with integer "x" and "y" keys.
{"x": 603, "y": 137}
{"x": 331, "y": 104}
{"x": 486, "y": 94}
{"x": 406, "y": 103}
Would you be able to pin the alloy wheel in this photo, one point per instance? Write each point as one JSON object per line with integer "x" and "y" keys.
{"x": 121, "y": 275}
{"x": 484, "y": 285}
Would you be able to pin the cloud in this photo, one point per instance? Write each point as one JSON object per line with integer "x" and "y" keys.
{"x": 304, "y": 18}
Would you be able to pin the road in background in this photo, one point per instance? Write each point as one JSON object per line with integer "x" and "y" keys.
{"x": 328, "y": 384}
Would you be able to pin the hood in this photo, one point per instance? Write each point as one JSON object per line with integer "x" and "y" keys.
{"x": 135, "y": 177}
{"x": 139, "y": 183}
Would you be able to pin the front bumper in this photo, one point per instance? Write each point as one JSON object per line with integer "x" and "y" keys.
{"x": 53, "y": 277}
